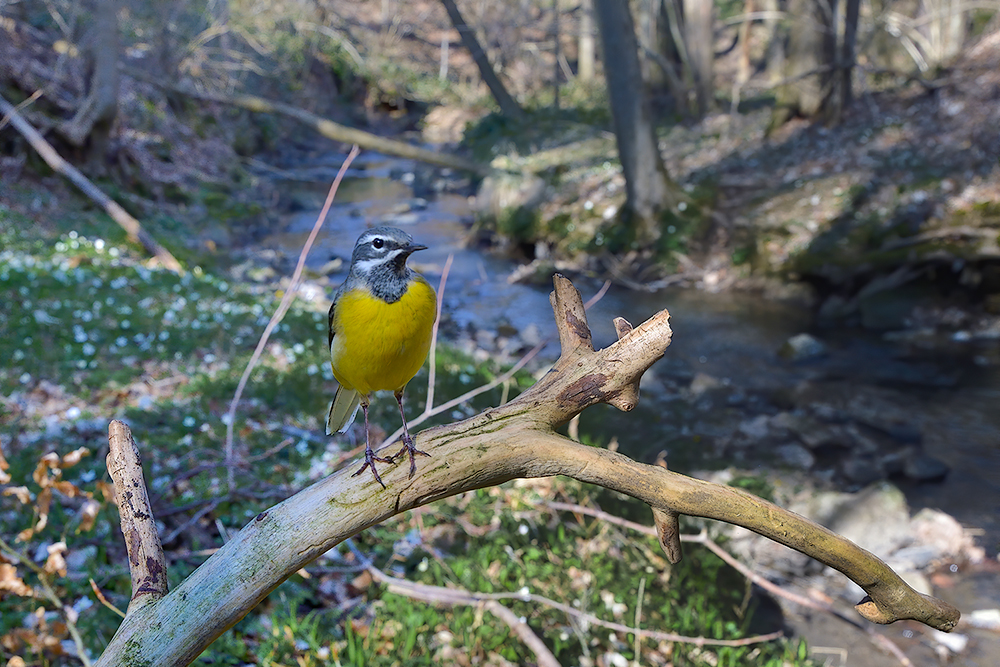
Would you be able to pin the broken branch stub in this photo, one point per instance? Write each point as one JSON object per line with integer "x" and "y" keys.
{"x": 147, "y": 564}
{"x": 583, "y": 377}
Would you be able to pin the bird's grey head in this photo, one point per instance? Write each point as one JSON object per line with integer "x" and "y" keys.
{"x": 382, "y": 249}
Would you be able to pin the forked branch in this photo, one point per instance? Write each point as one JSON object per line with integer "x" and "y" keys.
{"x": 511, "y": 441}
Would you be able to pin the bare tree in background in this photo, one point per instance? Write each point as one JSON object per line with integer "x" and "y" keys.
{"x": 698, "y": 35}
{"x": 649, "y": 190}
{"x": 846, "y": 57}
{"x": 814, "y": 60}
{"x": 678, "y": 35}
{"x": 587, "y": 50}
{"x": 96, "y": 114}
{"x": 808, "y": 62}
{"x": 508, "y": 106}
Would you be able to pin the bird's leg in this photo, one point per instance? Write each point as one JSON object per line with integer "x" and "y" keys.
{"x": 370, "y": 457}
{"x": 408, "y": 445}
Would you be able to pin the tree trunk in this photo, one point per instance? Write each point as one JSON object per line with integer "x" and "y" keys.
{"x": 648, "y": 188}
{"x": 775, "y": 35}
{"x": 809, "y": 62}
{"x": 673, "y": 55}
{"x": 508, "y": 106}
{"x": 743, "y": 68}
{"x": 698, "y": 35}
{"x": 945, "y": 29}
{"x": 817, "y": 64}
{"x": 94, "y": 118}
{"x": 845, "y": 66}
{"x": 557, "y": 52}
{"x": 585, "y": 65}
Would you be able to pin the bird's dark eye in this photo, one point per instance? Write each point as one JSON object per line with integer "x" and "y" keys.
{"x": 378, "y": 243}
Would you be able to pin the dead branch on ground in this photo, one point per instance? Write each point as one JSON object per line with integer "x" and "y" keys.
{"x": 515, "y": 440}
{"x": 324, "y": 126}
{"x": 135, "y": 231}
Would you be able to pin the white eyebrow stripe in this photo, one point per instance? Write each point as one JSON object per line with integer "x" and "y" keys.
{"x": 368, "y": 238}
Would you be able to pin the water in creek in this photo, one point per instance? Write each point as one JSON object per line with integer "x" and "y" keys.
{"x": 950, "y": 403}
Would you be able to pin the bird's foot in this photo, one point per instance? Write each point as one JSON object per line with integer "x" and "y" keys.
{"x": 370, "y": 460}
{"x": 408, "y": 446}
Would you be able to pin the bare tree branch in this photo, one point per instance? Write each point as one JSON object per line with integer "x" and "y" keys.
{"x": 511, "y": 441}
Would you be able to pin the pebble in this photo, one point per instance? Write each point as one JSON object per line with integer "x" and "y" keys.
{"x": 923, "y": 468}
{"x": 802, "y": 347}
{"x": 795, "y": 456}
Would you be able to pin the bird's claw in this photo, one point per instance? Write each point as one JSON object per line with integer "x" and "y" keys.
{"x": 370, "y": 460}
{"x": 409, "y": 446}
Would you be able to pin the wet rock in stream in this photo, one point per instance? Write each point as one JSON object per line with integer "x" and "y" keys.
{"x": 839, "y": 432}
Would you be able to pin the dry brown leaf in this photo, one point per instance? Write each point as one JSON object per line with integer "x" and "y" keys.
{"x": 107, "y": 490}
{"x": 56, "y": 563}
{"x": 74, "y": 457}
{"x": 19, "y": 492}
{"x": 68, "y": 489}
{"x": 42, "y": 504}
{"x": 45, "y": 463}
{"x": 4, "y": 466}
{"x": 88, "y": 515}
{"x": 10, "y": 582}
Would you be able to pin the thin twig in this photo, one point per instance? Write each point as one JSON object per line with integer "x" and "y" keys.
{"x": 456, "y": 596}
{"x": 702, "y": 538}
{"x": 637, "y": 644}
{"x": 286, "y": 302}
{"x": 103, "y": 600}
{"x": 472, "y": 393}
{"x": 190, "y": 522}
{"x": 534, "y": 643}
{"x": 23, "y": 105}
{"x": 432, "y": 372}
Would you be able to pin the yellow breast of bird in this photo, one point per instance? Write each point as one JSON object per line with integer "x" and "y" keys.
{"x": 380, "y": 346}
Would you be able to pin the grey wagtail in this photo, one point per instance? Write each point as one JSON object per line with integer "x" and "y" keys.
{"x": 380, "y": 332}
